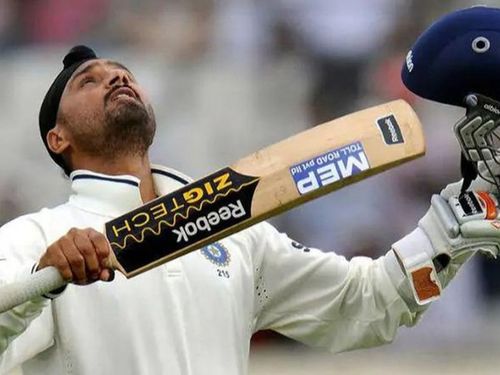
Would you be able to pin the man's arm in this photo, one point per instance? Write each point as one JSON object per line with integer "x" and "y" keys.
{"x": 27, "y": 329}
{"x": 324, "y": 300}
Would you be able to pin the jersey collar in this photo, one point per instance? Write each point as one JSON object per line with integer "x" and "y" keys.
{"x": 116, "y": 195}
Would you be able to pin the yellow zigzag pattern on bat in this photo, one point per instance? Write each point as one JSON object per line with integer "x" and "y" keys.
{"x": 157, "y": 233}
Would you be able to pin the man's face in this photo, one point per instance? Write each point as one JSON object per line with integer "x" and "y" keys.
{"x": 105, "y": 111}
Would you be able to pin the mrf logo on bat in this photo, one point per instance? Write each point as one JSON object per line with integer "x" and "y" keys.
{"x": 181, "y": 218}
{"x": 329, "y": 167}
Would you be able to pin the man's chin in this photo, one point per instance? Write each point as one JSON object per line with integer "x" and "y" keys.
{"x": 124, "y": 101}
{"x": 128, "y": 128}
{"x": 126, "y": 111}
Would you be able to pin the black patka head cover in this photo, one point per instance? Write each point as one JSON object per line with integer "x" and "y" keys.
{"x": 50, "y": 106}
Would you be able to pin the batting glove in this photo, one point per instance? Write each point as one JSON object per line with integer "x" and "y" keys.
{"x": 455, "y": 228}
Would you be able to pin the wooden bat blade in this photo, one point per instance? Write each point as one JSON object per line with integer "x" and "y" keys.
{"x": 270, "y": 181}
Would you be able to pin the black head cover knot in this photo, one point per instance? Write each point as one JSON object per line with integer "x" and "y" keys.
{"x": 50, "y": 105}
{"x": 78, "y": 54}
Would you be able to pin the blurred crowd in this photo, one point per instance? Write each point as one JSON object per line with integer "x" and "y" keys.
{"x": 230, "y": 76}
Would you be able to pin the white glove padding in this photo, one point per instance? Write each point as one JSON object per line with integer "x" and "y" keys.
{"x": 479, "y": 229}
{"x": 455, "y": 235}
{"x": 447, "y": 236}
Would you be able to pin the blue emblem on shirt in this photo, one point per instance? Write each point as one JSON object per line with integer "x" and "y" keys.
{"x": 217, "y": 254}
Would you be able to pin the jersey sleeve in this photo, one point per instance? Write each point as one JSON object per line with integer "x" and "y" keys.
{"x": 322, "y": 299}
{"x": 27, "y": 329}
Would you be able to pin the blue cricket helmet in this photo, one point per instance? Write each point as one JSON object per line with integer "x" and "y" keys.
{"x": 457, "y": 55}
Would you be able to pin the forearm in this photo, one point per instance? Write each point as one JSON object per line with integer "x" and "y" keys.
{"x": 342, "y": 305}
{"x": 23, "y": 320}
{"x": 373, "y": 307}
{"x": 14, "y": 322}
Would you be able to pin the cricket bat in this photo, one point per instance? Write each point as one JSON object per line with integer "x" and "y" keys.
{"x": 256, "y": 187}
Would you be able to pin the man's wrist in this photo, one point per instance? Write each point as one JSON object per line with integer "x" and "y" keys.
{"x": 399, "y": 279}
{"x": 415, "y": 257}
{"x": 53, "y": 293}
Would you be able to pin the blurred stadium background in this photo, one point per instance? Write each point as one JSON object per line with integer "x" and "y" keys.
{"x": 230, "y": 76}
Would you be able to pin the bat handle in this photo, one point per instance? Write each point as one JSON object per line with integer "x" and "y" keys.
{"x": 35, "y": 285}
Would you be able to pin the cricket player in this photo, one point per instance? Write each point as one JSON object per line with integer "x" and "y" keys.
{"x": 196, "y": 314}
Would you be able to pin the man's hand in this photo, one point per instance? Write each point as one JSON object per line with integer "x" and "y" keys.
{"x": 80, "y": 256}
{"x": 459, "y": 227}
{"x": 478, "y": 227}
{"x": 454, "y": 228}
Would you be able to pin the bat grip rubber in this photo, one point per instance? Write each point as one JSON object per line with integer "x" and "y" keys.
{"x": 35, "y": 285}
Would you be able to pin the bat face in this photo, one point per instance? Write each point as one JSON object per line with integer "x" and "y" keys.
{"x": 163, "y": 227}
{"x": 270, "y": 181}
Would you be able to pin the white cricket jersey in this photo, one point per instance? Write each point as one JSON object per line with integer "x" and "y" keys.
{"x": 196, "y": 314}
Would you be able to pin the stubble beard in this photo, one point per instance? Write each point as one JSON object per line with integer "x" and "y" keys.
{"x": 127, "y": 130}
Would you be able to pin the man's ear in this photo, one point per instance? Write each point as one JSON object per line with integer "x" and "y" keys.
{"x": 57, "y": 140}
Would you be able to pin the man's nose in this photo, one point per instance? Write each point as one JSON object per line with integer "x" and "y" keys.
{"x": 118, "y": 77}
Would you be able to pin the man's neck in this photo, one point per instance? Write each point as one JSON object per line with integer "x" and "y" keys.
{"x": 133, "y": 166}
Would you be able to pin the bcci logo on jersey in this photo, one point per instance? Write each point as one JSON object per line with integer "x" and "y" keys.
{"x": 330, "y": 167}
{"x": 217, "y": 254}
